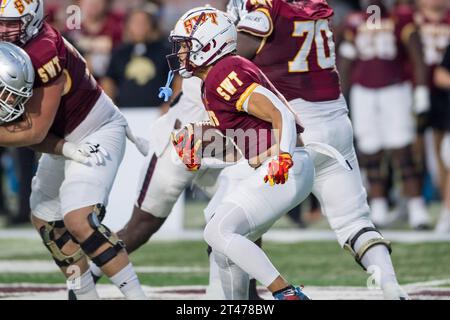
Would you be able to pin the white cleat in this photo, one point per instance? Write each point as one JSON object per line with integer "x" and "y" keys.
{"x": 379, "y": 213}
{"x": 393, "y": 291}
{"x": 418, "y": 214}
{"x": 443, "y": 225}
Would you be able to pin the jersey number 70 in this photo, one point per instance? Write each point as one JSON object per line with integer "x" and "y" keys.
{"x": 318, "y": 32}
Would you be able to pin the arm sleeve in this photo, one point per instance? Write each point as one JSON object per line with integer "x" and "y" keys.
{"x": 289, "y": 126}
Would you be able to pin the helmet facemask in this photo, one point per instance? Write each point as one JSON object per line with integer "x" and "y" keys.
{"x": 180, "y": 58}
{"x": 12, "y": 102}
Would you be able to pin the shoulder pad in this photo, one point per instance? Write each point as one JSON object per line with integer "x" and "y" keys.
{"x": 258, "y": 23}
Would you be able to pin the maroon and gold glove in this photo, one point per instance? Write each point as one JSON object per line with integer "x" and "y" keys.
{"x": 188, "y": 145}
{"x": 278, "y": 171}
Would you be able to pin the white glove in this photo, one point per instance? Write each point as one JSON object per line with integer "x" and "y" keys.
{"x": 421, "y": 99}
{"x": 84, "y": 153}
{"x": 141, "y": 144}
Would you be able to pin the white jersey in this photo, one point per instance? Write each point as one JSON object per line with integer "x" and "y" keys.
{"x": 188, "y": 109}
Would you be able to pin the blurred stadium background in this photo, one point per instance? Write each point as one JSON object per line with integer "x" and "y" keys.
{"x": 125, "y": 45}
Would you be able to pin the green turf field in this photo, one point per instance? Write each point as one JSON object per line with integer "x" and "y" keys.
{"x": 310, "y": 263}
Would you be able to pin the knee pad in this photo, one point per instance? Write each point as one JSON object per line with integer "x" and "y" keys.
{"x": 55, "y": 245}
{"x": 358, "y": 255}
{"x": 99, "y": 237}
{"x": 404, "y": 159}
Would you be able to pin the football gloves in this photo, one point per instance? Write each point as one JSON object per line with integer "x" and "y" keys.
{"x": 188, "y": 146}
{"x": 85, "y": 153}
{"x": 278, "y": 169}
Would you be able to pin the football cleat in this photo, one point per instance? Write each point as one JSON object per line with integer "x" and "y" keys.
{"x": 291, "y": 293}
{"x": 393, "y": 291}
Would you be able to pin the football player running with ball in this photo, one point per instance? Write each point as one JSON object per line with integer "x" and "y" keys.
{"x": 244, "y": 106}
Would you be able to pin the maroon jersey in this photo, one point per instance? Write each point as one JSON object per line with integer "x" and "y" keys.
{"x": 435, "y": 38}
{"x": 52, "y": 56}
{"x": 298, "y": 55}
{"x": 228, "y": 84}
{"x": 381, "y": 48}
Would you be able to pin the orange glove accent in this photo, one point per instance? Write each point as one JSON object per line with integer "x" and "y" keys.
{"x": 278, "y": 171}
{"x": 187, "y": 148}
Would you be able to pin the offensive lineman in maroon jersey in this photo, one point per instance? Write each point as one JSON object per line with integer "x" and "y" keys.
{"x": 69, "y": 115}
{"x": 292, "y": 43}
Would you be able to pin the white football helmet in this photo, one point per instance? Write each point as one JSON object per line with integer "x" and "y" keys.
{"x": 20, "y": 21}
{"x": 202, "y": 36}
{"x": 237, "y": 9}
{"x": 16, "y": 81}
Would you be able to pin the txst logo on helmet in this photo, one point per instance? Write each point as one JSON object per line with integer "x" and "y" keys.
{"x": 189, "y": 24}
{"x": 20, "y": 6}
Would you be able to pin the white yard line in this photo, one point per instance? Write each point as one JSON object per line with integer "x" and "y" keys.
{"x": 432, "y": 283}
{"x": 44, "y": 266}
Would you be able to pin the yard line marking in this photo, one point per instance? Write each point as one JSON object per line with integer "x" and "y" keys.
{"x": 44, "y": 266}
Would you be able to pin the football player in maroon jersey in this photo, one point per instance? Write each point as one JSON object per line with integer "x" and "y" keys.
{"x": 68, "y": 198}
{"x": 243, "y": 105}
{"x": 292, "y": 43}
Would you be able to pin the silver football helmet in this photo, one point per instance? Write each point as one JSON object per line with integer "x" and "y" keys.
{"x": 16, "y": 81}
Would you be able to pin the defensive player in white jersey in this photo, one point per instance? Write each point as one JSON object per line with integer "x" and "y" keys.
{"x": 305, "y": 72}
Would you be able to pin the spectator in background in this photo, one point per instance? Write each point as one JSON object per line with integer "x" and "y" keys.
{"x": 442, "y": 81}
{"x": 100, "y": 32}
{"x": 138, "y": 68}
